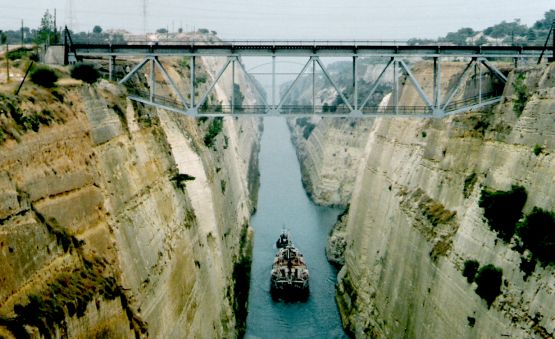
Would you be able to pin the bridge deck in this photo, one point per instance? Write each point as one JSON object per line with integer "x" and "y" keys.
{"x": 302, "y": 48}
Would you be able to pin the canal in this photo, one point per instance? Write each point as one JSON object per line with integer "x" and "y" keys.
{"x": 283, "y": 203}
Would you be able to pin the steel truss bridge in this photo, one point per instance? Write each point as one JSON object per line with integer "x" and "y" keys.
{"x": 477, "y": 58}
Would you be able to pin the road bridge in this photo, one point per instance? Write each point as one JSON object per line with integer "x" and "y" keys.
{"x": 478, "y": 60}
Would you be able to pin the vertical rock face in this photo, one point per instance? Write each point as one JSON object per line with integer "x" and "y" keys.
{"x": 119, "y": 223}
{"x": 329, "y": 152}
{"x": 415, "y": 219}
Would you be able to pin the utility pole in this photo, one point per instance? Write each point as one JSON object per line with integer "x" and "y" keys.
{"x": 144, "y": 17}
{"x": 22, "y": 37}
{"x": 4, "y": 39}
{"x": 55, "y": 28}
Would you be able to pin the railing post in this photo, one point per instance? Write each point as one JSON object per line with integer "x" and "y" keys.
{"x": 192, "y": 76}
{"x": 355, "y": 83}
{"x": 395, "y": 87}
{"x": 313, "y": 85}
{"x": 111, "y": 63}
{"x": 152, "y": 79}
{"x": 273, "y": 81}
{"x": 437, "y": 84}
{"x": 233, "y": 85}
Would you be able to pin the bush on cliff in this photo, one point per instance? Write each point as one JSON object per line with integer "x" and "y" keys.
{"x": 470, "y": 269}
{"x": 537, "y": 232}
{"x": 503, "y": 209}
{"x": 85, "y": 72}
{"x": 215, "y": 128}
{"x": 521, "y": 92}
{"x": 489, "y": 280}
{"x": 44, "y": 76}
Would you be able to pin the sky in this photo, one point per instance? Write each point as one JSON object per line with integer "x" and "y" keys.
{"x": 280, "y": 19}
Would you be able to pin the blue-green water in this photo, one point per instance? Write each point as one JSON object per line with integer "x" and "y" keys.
{"x": 282, "y": 202}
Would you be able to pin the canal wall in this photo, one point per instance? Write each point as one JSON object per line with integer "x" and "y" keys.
{"x": 416, "y": 220}
{"x": 121, "y": 221}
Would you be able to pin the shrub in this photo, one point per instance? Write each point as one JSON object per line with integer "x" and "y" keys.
{"x": 537, "y": 232}
{"x": 469, "y": 183}
{"x": 19, "y": 53}
{"x": 527, "y": 266}
{"x": 44, "y": 76}
{"x": 213, "y": 131}
{"x": 522, "y": 95}
{"x": 537, "y": 149}
{"x": 86, "y": 72}
{"x": 470, "y": 269}
{"x": 489, "y": 280}
{"x": 503, "y": 209}
{"x": 307, "y": 131}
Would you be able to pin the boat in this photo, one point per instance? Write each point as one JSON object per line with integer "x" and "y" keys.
{"x": 283, "y": 240}
{"x": 289, "y": 279}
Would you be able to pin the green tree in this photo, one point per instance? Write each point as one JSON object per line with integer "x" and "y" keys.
{"x": 97, "y": 29}
{"x": 47, "y": 31}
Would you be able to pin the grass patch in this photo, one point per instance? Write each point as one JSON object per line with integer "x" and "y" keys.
{"x": 469, "y": 183}
{"x": 435, "y": 212}
{"x": 521, "y": 92}
{"x": 489, "y": 280}
{"x": 503, "y": 209}
{"x": 67, "y": 296}
{"x": 537, "y": 232}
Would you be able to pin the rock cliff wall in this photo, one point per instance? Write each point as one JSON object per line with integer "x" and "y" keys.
{"x": 118, "y": 222}
{"x": 415, "y": 219}
{"x": 329, "y": 152}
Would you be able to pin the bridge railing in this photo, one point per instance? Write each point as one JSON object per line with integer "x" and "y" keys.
{"x": 292, "y": 43}
{"x": 466, "y": 102}
{"x": 317, "y": 109}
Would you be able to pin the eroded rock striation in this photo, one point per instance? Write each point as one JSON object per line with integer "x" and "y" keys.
{"x": 116, "y": 221}
{"x": 415, "y": 221}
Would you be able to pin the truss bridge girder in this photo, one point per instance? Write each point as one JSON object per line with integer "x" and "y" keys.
{"x": 433, "y": 104}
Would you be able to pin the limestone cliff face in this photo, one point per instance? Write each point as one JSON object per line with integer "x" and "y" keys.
{"x": 329, "y": 152}
{"x": 414, "y": 220}
{"x": 119, "y": 222}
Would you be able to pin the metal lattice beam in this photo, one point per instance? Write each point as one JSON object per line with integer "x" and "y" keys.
{"x": 172, "y": 84}
{"x": 213, "y": 84}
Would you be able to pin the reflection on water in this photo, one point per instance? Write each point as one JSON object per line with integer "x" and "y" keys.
{"x": 283, "y": 204}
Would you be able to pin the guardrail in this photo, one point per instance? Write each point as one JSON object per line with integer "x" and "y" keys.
{"x": 314, "y": 42}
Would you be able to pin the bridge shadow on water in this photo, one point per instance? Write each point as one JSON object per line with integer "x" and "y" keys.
{"x": 284, "y": 203}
